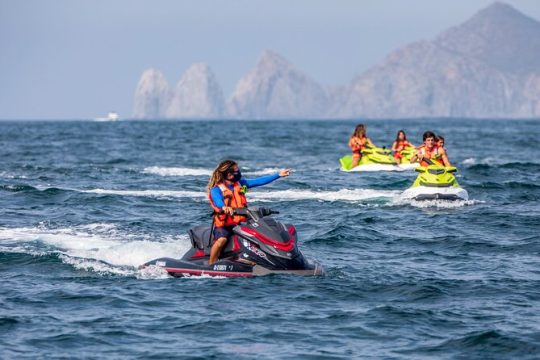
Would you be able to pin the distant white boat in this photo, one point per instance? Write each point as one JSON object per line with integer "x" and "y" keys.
{"x": 111, "y": 116}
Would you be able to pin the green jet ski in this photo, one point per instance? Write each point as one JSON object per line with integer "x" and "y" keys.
{"x": 373, "y": 159}
{"x": 406, "y": 155}
{"x": 436, "y": 182}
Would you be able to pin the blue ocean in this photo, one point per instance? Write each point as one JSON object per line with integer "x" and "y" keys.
{"x": 84, "y": 203}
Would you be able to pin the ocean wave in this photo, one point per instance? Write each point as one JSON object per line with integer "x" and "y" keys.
{"x": 97, "y": 247}
{"x": 475, "y": 344}
{"x": 338, "y": 195}
{"x": 489, "y": 162}
{"x": 24, "y": 188}
{"x": 17, "y": 188}
{"x": 263, "y": 196}
{"x": 438, "y": 204}
{"x": 176, "y": 171}
{"x": 9, "y": 175}
{"x": 149, "y": 193}
{"x": 188, "y": 171}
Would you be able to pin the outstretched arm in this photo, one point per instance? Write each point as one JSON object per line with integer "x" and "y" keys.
{"x": 263, "y": 180}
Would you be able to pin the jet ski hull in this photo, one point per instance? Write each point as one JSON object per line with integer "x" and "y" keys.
{"x": 226, "y": 268}
{"x": 373, "y": 167}
{"x": 380, "y": 161}
{"x": 421, "y": 193}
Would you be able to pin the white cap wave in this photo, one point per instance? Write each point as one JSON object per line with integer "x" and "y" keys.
{"x": 260, "y": 195}
{"x": 97, "y": 247}
{"x": 176, "y": 171}
{"x": 187, "y": 171}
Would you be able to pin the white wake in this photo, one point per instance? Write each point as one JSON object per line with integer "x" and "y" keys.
{"x": 95, "y": 247}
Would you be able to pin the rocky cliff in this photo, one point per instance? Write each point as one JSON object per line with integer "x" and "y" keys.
{"x": 197, "y": 95}
{"x": 489, "y": 66}
{"x": 152, "y": 96}
{"x": 486, "y": 67}
{"x": 275, "y": 89}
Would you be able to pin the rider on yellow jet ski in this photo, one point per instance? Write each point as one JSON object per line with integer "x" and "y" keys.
{"x": 358, "y": 142}
{"x": 430, "y": 153}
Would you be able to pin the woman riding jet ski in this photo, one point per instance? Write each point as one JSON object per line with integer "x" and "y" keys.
{"x": 260, "y": 246}
{"x": 365, "y": 155}
{"x": 251, "y": 242}
{"x": 403, "y": 151}
{"x": 373, "y": 159}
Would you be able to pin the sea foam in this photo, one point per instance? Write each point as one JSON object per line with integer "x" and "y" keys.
{"x": 97, "y": 247}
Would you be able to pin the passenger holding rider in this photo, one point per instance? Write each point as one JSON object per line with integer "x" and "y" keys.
{"x": 400, "y": 144}
{"x": 358, "y": 142}
{"x": 226, "y": 191}
{"x": 440, "y": 142}
{"x": 429, "y": 153}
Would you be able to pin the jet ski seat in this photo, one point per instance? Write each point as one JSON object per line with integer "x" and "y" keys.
{"x": 201, "y": 239}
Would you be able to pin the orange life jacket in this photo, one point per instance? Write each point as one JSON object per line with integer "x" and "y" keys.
{"x": 402, "y": 145}
{"x": 235, "y": 199}
{"x": 431, "y": 155}
{"x": 357, "y": 144}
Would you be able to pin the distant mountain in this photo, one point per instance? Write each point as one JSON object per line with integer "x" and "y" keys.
{"x": 152, "y": 96}
{"x": 275, "y": 89}
{"x": 498, "y": 35}
{"x": 197, "y": 95}
{"x": 486, "y": 67}
{"x": 489, "y": 66}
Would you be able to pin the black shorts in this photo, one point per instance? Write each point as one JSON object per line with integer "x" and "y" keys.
{"x": 224, "y": 231}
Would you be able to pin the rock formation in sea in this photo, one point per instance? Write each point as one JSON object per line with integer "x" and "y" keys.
{"x": 489, "y": 66}
{"x": 197, "y": 95}
{"x": 276, "y": 89}
{"x": 152, "y": 96}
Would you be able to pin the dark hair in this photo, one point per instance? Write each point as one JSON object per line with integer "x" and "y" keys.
{"x": 404, "y": 135}
{"x": 360, "y": 130}
{"x": 220, "y": 173}
{"x": 440, "y": 137}
{"x": 428, "y": 134}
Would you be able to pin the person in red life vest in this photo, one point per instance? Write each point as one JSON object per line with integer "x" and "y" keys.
{"x": 358, "y": 142}
{"x": 226, "y": 191}
{"x": 399, "y": 144}
{"x": 429, "y": 153}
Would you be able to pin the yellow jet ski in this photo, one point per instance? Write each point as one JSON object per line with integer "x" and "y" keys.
{"x": 373, "y": 159}
{"x": 406, "y": 155}
{"x": 436, "y": 182}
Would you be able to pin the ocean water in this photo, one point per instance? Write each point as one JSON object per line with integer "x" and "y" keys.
{"x": 84, "y": 203}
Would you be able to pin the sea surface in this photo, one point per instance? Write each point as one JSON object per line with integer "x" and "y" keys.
{"x": 83, "y": 204}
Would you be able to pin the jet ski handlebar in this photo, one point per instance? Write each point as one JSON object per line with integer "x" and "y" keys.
{"x": 255, "y": 212}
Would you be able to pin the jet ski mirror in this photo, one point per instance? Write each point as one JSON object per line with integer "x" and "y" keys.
{"x": 451, "y": 169}
{"x": 420, "y": 169}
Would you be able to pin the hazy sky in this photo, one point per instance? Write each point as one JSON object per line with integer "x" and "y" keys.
{"x": 73, "y": 59}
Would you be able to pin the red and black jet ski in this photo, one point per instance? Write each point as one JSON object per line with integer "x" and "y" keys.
{"x": 260, "y": 246}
